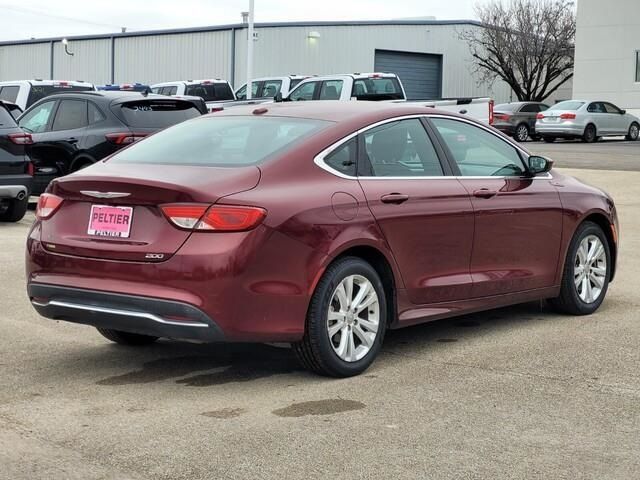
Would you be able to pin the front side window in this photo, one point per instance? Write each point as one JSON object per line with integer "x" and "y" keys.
{"x": 303, "y": 92}
{"x": 331, "y": 90}
{"x": 530, "y": 108}
{"x": 477, "y": 152}
{"x": 400, "y": 149}
{"x": 610, "y": 108}
{"x": 343, "y": 159}
{"x": 37, "y": 120}
{"x": 9, "y": 93}
{"x": 71, "y": 114}
{"x": 233, "y": 141}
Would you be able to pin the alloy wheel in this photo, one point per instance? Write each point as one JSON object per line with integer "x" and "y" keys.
{"x": 634, "y": 131}
{"x": 522, "y": 133}
{"x": 353, "y": 319}
{"x": 590, "y": 269}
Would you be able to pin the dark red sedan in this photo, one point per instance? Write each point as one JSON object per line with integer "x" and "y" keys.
{"x": 322, "y": 224}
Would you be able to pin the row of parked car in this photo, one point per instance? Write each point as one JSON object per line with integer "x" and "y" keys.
{"x": 583, "y": 119}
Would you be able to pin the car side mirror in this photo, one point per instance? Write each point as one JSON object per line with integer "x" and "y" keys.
{"x": 623, "y": 112}
{"x": 538, "y": 165}
{"x": 278, "y": 97}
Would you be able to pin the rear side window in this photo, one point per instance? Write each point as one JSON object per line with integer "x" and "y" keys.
{"x": 377, "y": 89}
{"x": 210, "y": 92}
{"x": 271, "y": 88}
{"x": 94, "y": 113}
{"x": 9, "y": 93}
{"x": 71, "y": 114}
{"x": 38, "y": 92}
{"x": 343, "y": 159}
{"x": 233, "y": 141}
{"x": 530, "y": 108}
{"x": 6, "y": 120}
{"x": 331, "y": 90}
{"x": 155, "y": 114}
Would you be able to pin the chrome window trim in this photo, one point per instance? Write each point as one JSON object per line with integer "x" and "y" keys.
{"x": 319, "y": 158}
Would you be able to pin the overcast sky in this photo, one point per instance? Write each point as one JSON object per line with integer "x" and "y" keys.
{"x": 44, "y": 18}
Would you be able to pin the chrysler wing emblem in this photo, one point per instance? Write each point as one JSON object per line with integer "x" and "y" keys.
{"x": 96, "y": 194}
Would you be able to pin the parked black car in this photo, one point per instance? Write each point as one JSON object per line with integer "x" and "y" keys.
{"x": 518, "y": 119}
{"x": 16, "y": 169}
{"x": 73, "y": 130}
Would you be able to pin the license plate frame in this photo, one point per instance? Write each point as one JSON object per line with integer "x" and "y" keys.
{"x": 115, "y": 223}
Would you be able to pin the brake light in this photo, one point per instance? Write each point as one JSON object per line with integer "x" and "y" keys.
{"x": 47, "y": 205}
{"x": 125, "y": 138}
{"x": 501, "y": 116}
{"x": 491, "y": 103}
{"x": 540, "y": 116}
{"x": 568, "y": 116}
{"x": 215, "y": 109}
{"x": 31, "y": 170}
{"x": 21, "y": 138}
{"x": 215, "y": 218}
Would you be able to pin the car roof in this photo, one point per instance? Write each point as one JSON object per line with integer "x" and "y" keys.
{"x": 334, "y": 110}
{"x": 38, "y": 81}
{"x": 111, "y": 96}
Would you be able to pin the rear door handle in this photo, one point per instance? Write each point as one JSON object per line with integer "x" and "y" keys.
{"x": 395, "y": 198}
{"x": 484, "y": 193}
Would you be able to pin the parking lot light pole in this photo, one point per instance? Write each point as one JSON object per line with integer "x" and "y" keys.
{"x": 250, "y": 50}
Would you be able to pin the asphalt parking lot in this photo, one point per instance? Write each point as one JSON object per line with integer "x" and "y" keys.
{"x": 513, "y": 393}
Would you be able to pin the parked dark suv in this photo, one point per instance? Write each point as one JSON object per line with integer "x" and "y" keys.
{"x": 73, "y": 130}
{"x": 15, "y": 168}
{"x": 518, "y": 119}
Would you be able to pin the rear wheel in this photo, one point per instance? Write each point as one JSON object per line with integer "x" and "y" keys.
{"x": 590, "y": 135}
{"x": 126, "y": 338}
{"x": 634, "y": 132}
{"x": 586, "y": 273}
{"x": 549, "y": 139}
{"x": 15, "y": 210}
{"x": 346, "y": 320}
{"x": 522, "y": 133}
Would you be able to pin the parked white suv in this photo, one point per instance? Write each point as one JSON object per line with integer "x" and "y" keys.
{"x": 25, "y": 93}
{"x": 356, "y": 86}
{"x": 215, "y": 92}
{"x": 269, "y": 87}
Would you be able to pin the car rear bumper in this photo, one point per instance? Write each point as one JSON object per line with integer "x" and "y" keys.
{"x": 559, "y": 130}
{"x": 15, "y": 186}
{"x": 127, "y": 313}
{"x": 505, "y": 128}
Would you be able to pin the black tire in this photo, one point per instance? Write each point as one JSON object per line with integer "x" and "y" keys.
{"x": 315, "y": 352}
{"x": 15, "y": 211}
{"x": 590, "y": 134}
{"x": 548, "y": 139}
{"x": 521, "y": 133}
{"x": 634, "y": 132}
{"x": 569, "y": 301}
{"x": 126, "y": 338}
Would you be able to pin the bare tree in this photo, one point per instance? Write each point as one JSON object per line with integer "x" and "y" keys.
{"x": 527, "y": 43}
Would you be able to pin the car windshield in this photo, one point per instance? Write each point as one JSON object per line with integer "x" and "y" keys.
{"x": 567, "y": 105}
{"x": 506, "y": 107}
{"x": 6, "y": 119}
{"x": 210, "y": 92}
{"x": 38, "y": 92}
{"x": 221, "y": 141}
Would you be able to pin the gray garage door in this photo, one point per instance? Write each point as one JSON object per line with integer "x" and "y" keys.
{"x": 421, "y": 73}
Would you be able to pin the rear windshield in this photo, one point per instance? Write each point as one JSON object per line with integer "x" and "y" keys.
{"x": 156, "y": 113}
{"x": 506, "y": 107}
{"x": 221, "y": 141}
{"x": 377, "y": 89}
{"x": 567, "y": 105}
{"x": 6, "y": 120}
{"x": 40, "y": 91}
{"x": 210, "y": 92}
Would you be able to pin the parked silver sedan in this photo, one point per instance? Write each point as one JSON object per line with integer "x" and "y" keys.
{"x": 586, "y": 120}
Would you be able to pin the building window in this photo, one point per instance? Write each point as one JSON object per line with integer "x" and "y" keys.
{"x": 637, "y": 65}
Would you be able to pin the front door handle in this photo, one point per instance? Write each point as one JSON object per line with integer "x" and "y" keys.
{"x": 395, "y": 198}
{"x": 484, "y": 193}
{"x": 72, "y": 140}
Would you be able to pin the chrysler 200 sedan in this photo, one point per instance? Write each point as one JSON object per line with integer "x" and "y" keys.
{"x": 321, "y": 224}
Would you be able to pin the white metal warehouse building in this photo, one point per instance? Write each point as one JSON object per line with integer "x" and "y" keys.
{"x": 428, "y": 55}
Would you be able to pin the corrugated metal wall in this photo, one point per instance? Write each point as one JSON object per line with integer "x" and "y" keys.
{"x": 163, "y": 58}
{"x": 19, "y": 62}
{"x": 278, "y": 51}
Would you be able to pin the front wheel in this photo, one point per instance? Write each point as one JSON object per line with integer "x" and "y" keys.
{"x": 634, "y": 132}
{"x": 346, "y": 320}
{"x": 522, "y": 133}
{"x": 586, "y": 273}
{"x": 126, "y": 338}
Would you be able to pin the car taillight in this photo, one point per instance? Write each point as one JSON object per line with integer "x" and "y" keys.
{"x": 216, "y": 109}
{"x": 47, "y": 205}
{"x": 215, "y": 218}
{"x": 491, "y": 104}
{"x": 21, "y": 138}
{"x": 540, "y": 116}
{"x": 501, "y": 116}
{"x": 124, "y": 138}
{"x": 31, "y": 170}
{"x": 568, "y": 116}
